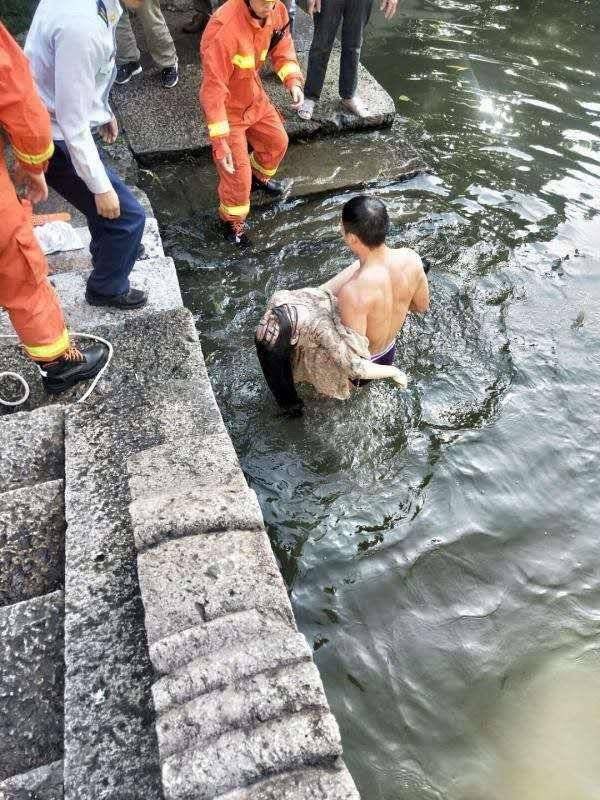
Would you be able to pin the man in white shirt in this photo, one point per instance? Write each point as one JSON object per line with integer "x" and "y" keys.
{"x": 71, "y": 48}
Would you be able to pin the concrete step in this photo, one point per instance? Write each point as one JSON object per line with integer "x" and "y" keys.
{"x": 81, "y": 261}
{"x": 31, "y": 445}
{"x": 43, "y": 783}
{"x": 243, "y": 703}
{"x": 32, "y": 540}
{"x": 31, "y": 684}
{"x": 240, "y": 757}
{"x": 140, "y": 104}
{"x": 307, "y": 784}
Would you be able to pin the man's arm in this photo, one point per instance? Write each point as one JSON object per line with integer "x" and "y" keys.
{"x": 420, "y": 299}
{"x": 353, "y": 310}
{"x": 24, "y": 117}
{"x": 217, "y": 69}
{"x": 285, "y": 62}
{"x": 75, "y": 86}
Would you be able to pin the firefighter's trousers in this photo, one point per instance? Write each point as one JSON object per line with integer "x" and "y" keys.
{"x": 268, "y": 142}
{"x": 25, "y": 291}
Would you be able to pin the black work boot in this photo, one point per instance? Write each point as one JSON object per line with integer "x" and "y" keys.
{"x": 235, "y": 233}
{"x": 272, "y": 186}
{"x": 72, "y": 367}
{"x": 133, "y": 298}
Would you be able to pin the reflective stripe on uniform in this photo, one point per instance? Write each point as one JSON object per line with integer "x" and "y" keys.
{"x": 235, "y": 211}
{"x": 40, "y": 158}
{"x": 289, "y": 69}
{"x": 218, "y": 128}
{"x": 49, "y": 351}
{"x": 243, "y": 62}
{"x": 264, "y": 55}
{"x": 263, "y": 170}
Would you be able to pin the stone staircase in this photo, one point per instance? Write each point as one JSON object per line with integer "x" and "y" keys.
{"x": 149, "y": 649}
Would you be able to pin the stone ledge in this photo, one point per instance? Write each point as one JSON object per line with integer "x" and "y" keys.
{"x": 307, "y": 784}
{"x": 228, "y": 666}
{"x": 185, "y": 582}
{"x": 32, "y": 539}
{"x": 241, "y": 757}
{"x": 31, "y": 448}
{"x": 43, "y": 783}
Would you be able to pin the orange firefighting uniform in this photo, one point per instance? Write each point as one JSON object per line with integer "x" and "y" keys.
{"x": 238, "y": 111}
{"x": 25, "y": 291}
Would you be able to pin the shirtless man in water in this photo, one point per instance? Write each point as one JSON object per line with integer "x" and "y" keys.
{"x": 344, "y": 332}
{"x": 375, "y": 294}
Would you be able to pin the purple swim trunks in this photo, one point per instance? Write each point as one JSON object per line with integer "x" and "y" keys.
{"x": 385, "y": 358}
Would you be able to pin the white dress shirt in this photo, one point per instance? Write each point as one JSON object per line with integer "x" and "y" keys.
{"x": 71, "y": 48}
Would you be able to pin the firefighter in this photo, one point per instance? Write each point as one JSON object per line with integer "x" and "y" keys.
{"x": 239, "y": 114}
{"x": 25, "y": 291}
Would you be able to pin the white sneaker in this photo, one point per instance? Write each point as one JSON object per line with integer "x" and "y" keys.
{"x": 306, "y": 109}
{"x": 355, "y": 106}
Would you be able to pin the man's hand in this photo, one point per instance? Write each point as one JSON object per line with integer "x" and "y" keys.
{"x": 35, "y": 183}
{"x": 314, "y": 7}
{"x": 297, "y": 96}
{"x": 399, "y": 378}
{"x": 107, "y": 204}
{"x": 109, "y": 132}
{"x": 227, "y": 163}
{"x": 389, "y": 8}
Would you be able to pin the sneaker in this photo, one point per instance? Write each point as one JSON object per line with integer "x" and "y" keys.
{"x": 134, "y": 298}
{"x": 273, "y": 187}
{"x": 125, "y": 72}
{"x": 72, "y": 367}
{"x": 355, "y": 106}
{"x": 169, "y": 76}
{"x": 306, "y": 109}
{"x": 235, "y": 233}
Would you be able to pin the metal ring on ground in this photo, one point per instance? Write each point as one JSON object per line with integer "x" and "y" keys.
{"x": 20, "y": 379}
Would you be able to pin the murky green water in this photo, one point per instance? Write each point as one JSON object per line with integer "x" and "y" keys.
{"x": 442, "y": 545}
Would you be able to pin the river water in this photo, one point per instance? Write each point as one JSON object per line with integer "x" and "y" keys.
{"x": 441, "y": 545}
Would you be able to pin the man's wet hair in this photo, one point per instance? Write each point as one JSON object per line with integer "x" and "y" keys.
{"x": 367, "y": 218}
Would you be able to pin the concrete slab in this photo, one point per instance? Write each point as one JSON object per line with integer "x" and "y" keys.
{"x": 313, "y": 783}
{"x": 31, "y": 447}
{"x": 43, "y": 783}
{"x": 32, "y": 539}
{"x": 185, "y": 582}
{"x": 240, "y": 757}
{"x": 31, "y": 684}
{"x": 152, "y": 133}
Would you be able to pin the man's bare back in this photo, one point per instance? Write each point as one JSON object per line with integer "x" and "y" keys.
{"x": 377, "y": 292}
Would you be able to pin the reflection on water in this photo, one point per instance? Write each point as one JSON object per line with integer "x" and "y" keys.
{"x": 440, "y": 545}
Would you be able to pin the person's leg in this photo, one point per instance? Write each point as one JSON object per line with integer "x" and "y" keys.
{"x": 127, "y": 49}
{"x": 326, "y": 25}
{"x": 356, "y": 16}
{"x": 269, "y": 142}
{"x": 234, "y": 190}
{"x": 158, "y": 38}
{"x": 115, "y": 242}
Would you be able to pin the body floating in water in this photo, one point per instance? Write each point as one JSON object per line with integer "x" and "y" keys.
{"x": 343, "y": 334}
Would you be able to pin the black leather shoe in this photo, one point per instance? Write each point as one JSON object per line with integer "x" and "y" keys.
{"x": 72, "y": 367}
{"x": 235, "y": 233}
{"x": 272, "y": 187}
{"x": 134, "y": 298}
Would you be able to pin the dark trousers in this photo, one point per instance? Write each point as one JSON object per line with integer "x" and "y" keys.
{"x": 354, "y": 15}
{"x": 115, "y": 242}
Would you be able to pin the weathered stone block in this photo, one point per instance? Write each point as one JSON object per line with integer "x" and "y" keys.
{"x": 186, "y": 581}
{"x": 31, "y": 448}
{"x": 308, "y": 784}
{"x": 227, "y": 666}
{"x": 241, "y": 757}
{"x": 31, "y": 684}
{"x": 243, "y": 704}
{"x": 43, "y": 783}
{"x": 32, "y": 540}
{"x": 238, "y": 628}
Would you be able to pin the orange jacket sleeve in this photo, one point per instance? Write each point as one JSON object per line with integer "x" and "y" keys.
{"x": 283, "y": 55}
{"x": 217, "y": 69}
{"x": 22, "y": 113}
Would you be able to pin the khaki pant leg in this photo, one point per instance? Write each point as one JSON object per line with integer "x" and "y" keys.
{"x": 127, "y": 49}
{"x": 158, "y": 38}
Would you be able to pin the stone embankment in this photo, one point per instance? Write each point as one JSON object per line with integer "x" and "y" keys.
{"x": 149, "y": 649}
